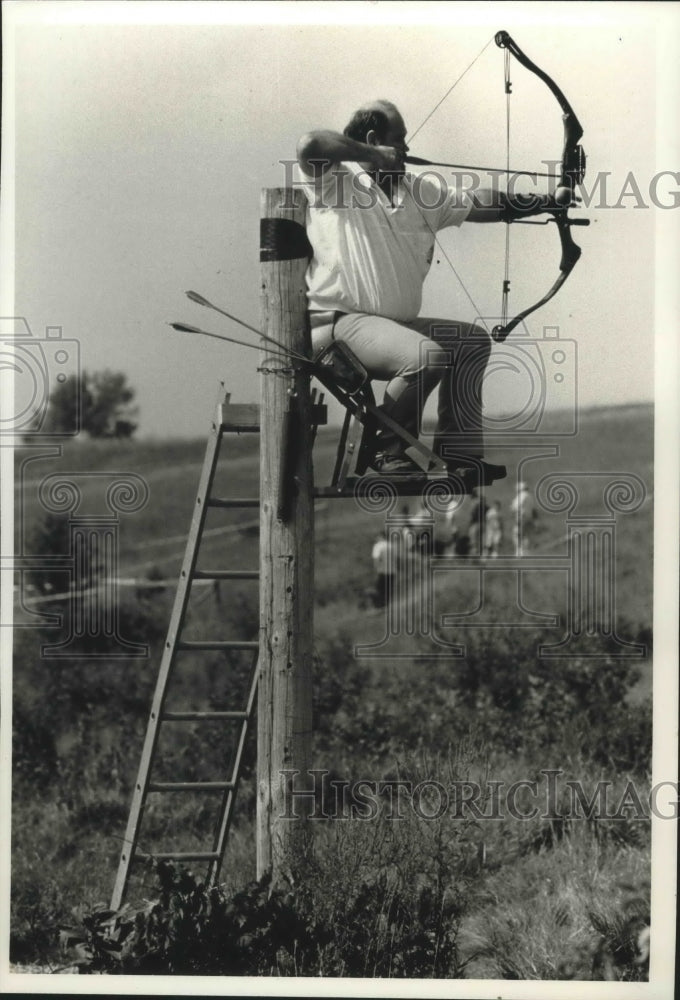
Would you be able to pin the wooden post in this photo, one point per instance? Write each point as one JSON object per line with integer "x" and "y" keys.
{"x": 284, "y": 716}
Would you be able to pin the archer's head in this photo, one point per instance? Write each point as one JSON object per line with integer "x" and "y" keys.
{"x": 379, "y": 123}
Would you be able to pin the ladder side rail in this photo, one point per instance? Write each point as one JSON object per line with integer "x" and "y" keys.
{"x": 167, "y": 662}
{"x": 229, "y": 799}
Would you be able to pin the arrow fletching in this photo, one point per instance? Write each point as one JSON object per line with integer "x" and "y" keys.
{"x": 195, "y": 297}
{"x": 202, "y": 301}
{"x": 185, "y": 328}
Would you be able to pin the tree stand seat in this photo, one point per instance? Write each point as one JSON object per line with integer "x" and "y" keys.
{"x": 343, "y": 375}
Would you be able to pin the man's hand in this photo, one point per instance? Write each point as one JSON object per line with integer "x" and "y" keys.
{"x": 561, "y": 197}
{"x": 319, "y": 151}
{"x": 564, "y": 196}
{"x": 387, "y": 159}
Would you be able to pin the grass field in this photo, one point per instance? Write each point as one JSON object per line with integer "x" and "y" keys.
{"x": 544, "y": 896}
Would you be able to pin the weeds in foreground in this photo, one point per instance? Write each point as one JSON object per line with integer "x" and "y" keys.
{"x": 265, "y": 930}
{"x": 354, "y": 913}
{"x": 577, "y": 911}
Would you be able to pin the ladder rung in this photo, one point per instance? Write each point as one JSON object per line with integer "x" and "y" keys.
{"x": 214, "y": 644}
{"x": 233, "y": 501}
{"x": 226, "y": 574}
{"x": 189, "y": 716}
{"x": 240, "y": 417}
{"x": 190, "y": 786}
{"x": 177, "y": 856}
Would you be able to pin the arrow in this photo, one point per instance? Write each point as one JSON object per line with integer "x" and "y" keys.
{"x": 420, "y": 162}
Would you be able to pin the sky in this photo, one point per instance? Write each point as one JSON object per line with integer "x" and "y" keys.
{"x": 141, "y": 148}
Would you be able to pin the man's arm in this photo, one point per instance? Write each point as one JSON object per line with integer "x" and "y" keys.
{"x": 318, "y": 151}
{"x": 489, "y": 205}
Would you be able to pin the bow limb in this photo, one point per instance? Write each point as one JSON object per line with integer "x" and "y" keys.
{"x": 570, "y": 255}
{"x": 571, "y": 173}
{"x": 573, "y": 129}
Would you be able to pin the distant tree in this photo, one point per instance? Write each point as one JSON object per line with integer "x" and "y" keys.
{"x": 65, "y": 406}
{"x": 109, "y": 410}
{"x": 105, "y": 400}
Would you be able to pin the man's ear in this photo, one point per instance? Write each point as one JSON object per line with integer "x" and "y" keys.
{"x": 372, "y": 138}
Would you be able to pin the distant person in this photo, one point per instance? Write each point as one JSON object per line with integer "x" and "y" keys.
{"x": 407, "y": 532}
{"x": 456, "y": 535}
{"x": 405, "y": 521}
{"x": 477, "y": 523}
{"x": 422, "y": 524}
{"x": 385, "y": 565}
{"x": 524, "y": 512}
{"x": 441, "y": 539}
{"x": 451, "y": 520}
{"x": 493, "y": 530}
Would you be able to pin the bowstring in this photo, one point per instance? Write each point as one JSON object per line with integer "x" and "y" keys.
{"x": 453, "y": 85}
{"x": 505, "y": 295}
{"x": 448, "y": 260}
{"x": 434, "y": 234}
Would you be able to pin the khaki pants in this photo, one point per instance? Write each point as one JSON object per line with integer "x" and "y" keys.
{"x": 413, "y": 358}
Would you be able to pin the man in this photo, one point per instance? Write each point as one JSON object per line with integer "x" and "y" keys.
{"x": 476, "y": 529}
{"x": 493, "y": 530}
{"x": 385, "y": 566}
{"x": 372, "y": 226}
{"x": 524, "y": 519}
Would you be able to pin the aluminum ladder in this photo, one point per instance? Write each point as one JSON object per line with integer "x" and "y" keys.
{"x": 230, "y": 418}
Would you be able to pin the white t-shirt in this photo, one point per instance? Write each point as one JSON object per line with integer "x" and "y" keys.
{"x": 523, "y": 504}
{"x": 369, "y": 256}
{"x": 383, "y": 558}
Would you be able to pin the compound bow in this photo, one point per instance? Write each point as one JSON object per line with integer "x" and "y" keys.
{"x": 571, "y": 172}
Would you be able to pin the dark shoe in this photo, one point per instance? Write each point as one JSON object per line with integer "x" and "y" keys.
{"x": 471, "y": 477}
{"x": 396, "y": 465}
{"x": 492, "y": 472}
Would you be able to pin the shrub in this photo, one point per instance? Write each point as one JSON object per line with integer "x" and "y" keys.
{"x": 262, "y": 930}
{"x": 36, "y": 912}
{"x": 34, "y": 751}
{"x": 579, "y": 911}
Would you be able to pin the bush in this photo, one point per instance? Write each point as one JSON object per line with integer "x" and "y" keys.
{"x": 501, "y": 690}
{"x": 34, "y": 751}
{"x": 192, "y": 930}
{"x": 189, "y": 930}
{"x": 36, "y": 912}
